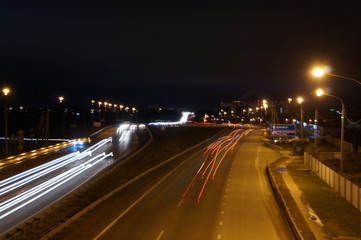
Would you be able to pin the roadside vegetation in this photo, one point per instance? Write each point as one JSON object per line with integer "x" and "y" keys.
{"x": 340, "y": 219}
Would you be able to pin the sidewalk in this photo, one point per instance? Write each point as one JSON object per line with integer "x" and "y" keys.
{"x": 318, "y": 211}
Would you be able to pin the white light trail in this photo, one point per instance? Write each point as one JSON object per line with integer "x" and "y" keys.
{"x": 36, "y": 169}
{"x": 45, "y": 169}
{"x": 47, "y": 186}
{"x": 125, "y": 130}
{"x": 11, "y": 205}
{"x": 182, "y": 120}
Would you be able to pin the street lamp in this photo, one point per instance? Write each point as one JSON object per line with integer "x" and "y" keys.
{"x": 6, "y": 92}
{"x": 61, "y": 99}
{"x": 300, "y": 101}
{"x": 320, "y": 92}
{"x": 319, "y": 72}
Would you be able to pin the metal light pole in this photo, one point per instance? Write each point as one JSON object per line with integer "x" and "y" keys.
{"x": 6, "y": 92}
{"x": 315, "y": 128}
{"x": 61, "y": 99}
{"x": 300, "y": 101}
{"x": 319, "y": 72}
{"x": 320, "y": 92}
{"x": 6, "y": 129}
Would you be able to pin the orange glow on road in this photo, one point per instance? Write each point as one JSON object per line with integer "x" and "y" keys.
{"x": 38, "y": 152}
{"x": 215, "y": 154}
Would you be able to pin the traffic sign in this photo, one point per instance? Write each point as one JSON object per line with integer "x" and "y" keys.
{"x": 282, "y": 169}
{"x": 283, "y": 130}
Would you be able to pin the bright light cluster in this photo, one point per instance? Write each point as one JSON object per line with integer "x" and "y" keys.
{"x": 20, "y": 200}
{"x": 182, "y": 120}
{"x": 125, "y": 131}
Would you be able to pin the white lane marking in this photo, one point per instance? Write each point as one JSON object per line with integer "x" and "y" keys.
{"x": 160, "y": 235}
{"x": 144, "y": 195}
{"x": 180, "y": 203}
{"x": 219, "y": 236}
{"x": 258, "y": 171}
{"x": 221, "y": 223}
{"x": 222, "y": 212}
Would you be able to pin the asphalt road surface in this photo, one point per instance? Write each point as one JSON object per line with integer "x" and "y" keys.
{"x": 28, "y": 192}
{"x": 174, "y": 202}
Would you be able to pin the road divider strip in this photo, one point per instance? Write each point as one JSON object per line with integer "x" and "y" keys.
{"x": 70, "y": 220}
{"x": 282, "y": 203}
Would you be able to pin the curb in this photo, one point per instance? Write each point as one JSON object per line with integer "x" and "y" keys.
{"x": 270, "y": 145}
{"x": 281, "y": 202}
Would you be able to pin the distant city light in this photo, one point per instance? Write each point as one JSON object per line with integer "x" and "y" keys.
{"x": 183, "y": 119}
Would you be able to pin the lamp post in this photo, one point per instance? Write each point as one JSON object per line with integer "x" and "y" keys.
{"x": 315, "y": 127}
{"x": 320, "y": 92}
{"x": 300, "y": 101}
{"x": 265, "y": 106}
{"x": 319, "y": 72}
{"x": 61, "y": 99}
{"x": 6, "y": 92}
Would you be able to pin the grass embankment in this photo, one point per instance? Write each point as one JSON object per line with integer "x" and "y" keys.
{"x": 339, "y": 217}
{"x": 290, "y": 203}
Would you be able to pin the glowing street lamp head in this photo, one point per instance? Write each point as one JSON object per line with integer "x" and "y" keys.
{"x": 6, "y": 91}
{"x": 300, "y": 100}
{"x": 61, "y": 99}
{"x": 318, "y": 72}
{"x": 290, "y": 100}
{"x": 319, "y": 92}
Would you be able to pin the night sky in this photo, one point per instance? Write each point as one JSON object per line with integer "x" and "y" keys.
{"x": 176, "y": 55}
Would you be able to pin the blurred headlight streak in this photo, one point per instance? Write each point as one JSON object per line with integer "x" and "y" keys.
{"x": 20, "y": 200}
{"x": 183, "y": 119}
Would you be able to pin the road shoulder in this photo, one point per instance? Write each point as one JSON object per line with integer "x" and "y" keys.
{"x": 318, "y": 211}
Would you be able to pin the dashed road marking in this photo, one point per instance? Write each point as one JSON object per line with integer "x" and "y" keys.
{"x": 160, "y": 235}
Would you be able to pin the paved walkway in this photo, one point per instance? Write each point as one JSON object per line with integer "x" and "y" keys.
{"x": 308, "y": 214}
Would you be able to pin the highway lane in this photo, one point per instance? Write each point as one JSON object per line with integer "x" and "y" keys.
{"x": 28, "y": 194}
{"x": 237, "y": 204}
